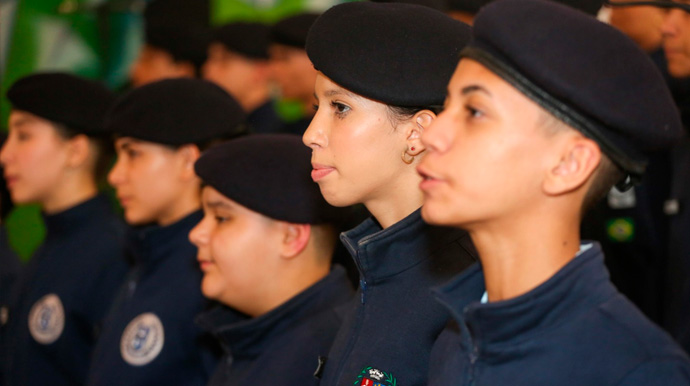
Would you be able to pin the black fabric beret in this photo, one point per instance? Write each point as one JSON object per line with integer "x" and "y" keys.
{"x": 584, "y": 72}
{"x": 591, "y": 7}
{"x": 75, "y": 102}
{"x": 292, "y": 31}
{"x": 439, "y": 5}
{"x": 399, "y": 54}
{"x": 185, "y": 43}
{"x": 245, "y": 38}
{"x": 269, "y": 174}
{"x": 176, "y": 112}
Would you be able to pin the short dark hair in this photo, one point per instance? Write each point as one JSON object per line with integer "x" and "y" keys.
{"x": 397, "y": 114}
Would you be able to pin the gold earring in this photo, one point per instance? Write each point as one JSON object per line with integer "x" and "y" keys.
{"x": 406, "y": 157}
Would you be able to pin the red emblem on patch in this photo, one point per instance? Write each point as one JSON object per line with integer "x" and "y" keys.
{"x": 367, "y": 382}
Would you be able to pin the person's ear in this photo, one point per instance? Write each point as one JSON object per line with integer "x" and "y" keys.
{"x": 188, "y": 155}
{"x": 80, "y": 150}
{"x": 185, "y": 69}
{"x": 295, "y": 239}
{"x": 419, "y": 122}
{"x": 579, "y": 159}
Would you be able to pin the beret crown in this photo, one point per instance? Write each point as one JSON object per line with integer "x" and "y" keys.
{"x": 399, "y": 54}
{"x": 176, "y": 112}
{"x": 586, "y": 73}
{"x": 269, "y": 174}
{"x": 78, "y": 103}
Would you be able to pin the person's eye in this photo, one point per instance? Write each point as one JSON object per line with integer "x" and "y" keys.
{"x": 473, "y": 112}
{"x": 131, "y": 153}
{"x": 23, "y": 136}
{"x": 341, "y": 109}
{"x": 315, "y": 107}
{"x": 222, "y": 219}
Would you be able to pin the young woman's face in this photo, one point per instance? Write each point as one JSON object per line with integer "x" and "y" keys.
{"x": 486, "y": 151}
{"x": 676, "y": 41}
{"x": 147, "y": 178}
{"x": 236, "y": 249}
{"x": 356, "y": 151}
{"x": 35, "y": 158}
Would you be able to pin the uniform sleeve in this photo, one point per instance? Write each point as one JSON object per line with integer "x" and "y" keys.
{"x": 669, "y": 372}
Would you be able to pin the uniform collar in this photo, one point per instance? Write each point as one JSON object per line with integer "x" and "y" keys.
{"x": 381, "y": 253}
{"x": 149, "y": 243}
{"x": 246, "y": 337}
{"x": 579, "y": 286}
{"x": 77, "y": 216}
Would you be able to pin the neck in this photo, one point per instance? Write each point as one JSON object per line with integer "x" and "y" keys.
{"x": 256, "y": 97}
{"x": 294, "y": 280}
{"x": 187, "y": 204}
{"x": 524, "y": 251}
{"x": 71, "y": 193}
{"x": 398, "y": 200}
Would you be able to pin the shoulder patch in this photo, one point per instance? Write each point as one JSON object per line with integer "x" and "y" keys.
{"x": 47, "y": 319}
{"x": 142, "y": 339}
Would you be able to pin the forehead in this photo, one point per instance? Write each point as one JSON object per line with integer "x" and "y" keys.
{"x": 21, "y": 118}
{"x": 213, "y": 199}
{"x": 125, "y": 142}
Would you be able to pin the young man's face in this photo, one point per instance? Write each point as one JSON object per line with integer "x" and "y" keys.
{"x": 486, "y": 151}
{"x": 676, "y": 41}
{"x": 154, "y": 64}
{"x": 34, "y": 157}
{"x": 149, "y": 180}
{"x": 235, "y": 73}
{"x": 237, "y": 251}
{"x": 292, "y": 70}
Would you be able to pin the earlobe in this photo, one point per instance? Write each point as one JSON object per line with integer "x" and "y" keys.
{"x": 421, "y": 121}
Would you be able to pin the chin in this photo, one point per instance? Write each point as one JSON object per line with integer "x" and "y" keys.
{"x": 337, "y": 200}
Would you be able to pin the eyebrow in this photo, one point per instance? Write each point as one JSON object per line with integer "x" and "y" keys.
{"x": 330, "y": 93}
{"x": 474, "y": 88}
{"x": 218, "y": 204}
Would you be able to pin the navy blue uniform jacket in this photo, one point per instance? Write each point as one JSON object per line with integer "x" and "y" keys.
{"x": 149, "y": 337}
{"x": 282, "y": 346}
{"x": 573, "y": 329}
{"x": 392, "y": 322}
{"x": 69, "y": 284}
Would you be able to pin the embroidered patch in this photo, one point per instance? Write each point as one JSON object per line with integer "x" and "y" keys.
{"x": 47, "y": 319}
{"x": 142, "y": 340}
{"x": 370, "y": 376}
{"x": 621, "y": 229}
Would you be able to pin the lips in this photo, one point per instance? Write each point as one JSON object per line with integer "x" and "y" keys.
{"x": 205, "y": 264}
{"x": 320, "y": 171}
{"x": 428, "y": 179}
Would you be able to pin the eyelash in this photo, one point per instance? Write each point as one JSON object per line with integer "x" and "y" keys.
{"x": 473, "y": 112}
{"x": 341, "y": 109}
{"x": 221, "y": 219}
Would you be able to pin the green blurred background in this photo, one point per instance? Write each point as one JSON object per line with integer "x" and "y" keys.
{"x": 98, "y": 39}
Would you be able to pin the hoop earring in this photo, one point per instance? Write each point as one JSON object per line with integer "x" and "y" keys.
{"x": 407, "y": 158}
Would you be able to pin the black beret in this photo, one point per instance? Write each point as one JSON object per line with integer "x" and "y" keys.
{"x": 185, "y": 43}
{"x": 176, "y": 112}
{"x": 584, "y": 72}
{"x": 244, "y": 38}
{"x": 75, "y": 102}
{"x": 269, "y": 174}
{"x": 399, "y": 54}
{"x": 439, "y": 5}
{"x": 591, "y": 7}
{"x": 292, "y": 31}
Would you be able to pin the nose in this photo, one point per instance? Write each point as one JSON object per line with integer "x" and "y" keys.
{"x": 315, "y": 137}
{"x": 6, "y": 151}
{"x": 116, "y": 174}
{"x": 435, "y": 138}
{"x": 199, "y": 234}
{"x": 669, "y": 26}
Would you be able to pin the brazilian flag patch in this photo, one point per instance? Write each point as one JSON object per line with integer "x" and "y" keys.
{"x": 621, "y": 230}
